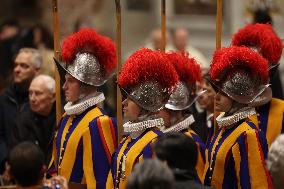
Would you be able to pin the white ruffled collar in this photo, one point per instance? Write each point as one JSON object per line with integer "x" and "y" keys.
{"x": 228, "y": 121}
{"x": 84, "y": 104}
{"x": 139, "y": 127}
{"x": 184, "y": 124}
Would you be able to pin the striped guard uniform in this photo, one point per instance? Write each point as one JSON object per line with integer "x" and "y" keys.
{"x": 236, "y": 159}
{"x": 200, "y": 164}
{"x": 84, "y": 146}
{"x": 130, "y": 152}
{"x": 270, "y": 119}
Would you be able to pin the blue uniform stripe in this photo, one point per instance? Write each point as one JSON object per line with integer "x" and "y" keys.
{"x": 201, "y": 145}
{"x": 129, "y": 146}
{"x": 158, "y": 132}
{"x": 147, "y": 152}
{"x": 59, "y": 136}
{"x": 114, "y": 160}
{"x": 114, "y": 122}
{"x": 75, "y": 122}
{"x": 101, "y": 165}
{"x": 209, "y": 173}
{"x": 213, "y": 141}
{"x": 262, "y": 139}
{"x": 263, "y": 116}
{"x": 230, "y": 181}
{"x": 77, "y": 171}
{"x": 244, "y": 171}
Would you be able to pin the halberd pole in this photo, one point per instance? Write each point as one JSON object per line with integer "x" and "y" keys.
{"x": 56, "y": 55}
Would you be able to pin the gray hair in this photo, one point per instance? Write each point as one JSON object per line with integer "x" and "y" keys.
{"x": 275, "y": 161}
{"x": 36, "y": 57}
{"x": 48, "y": 81}
{"x": 151, "y": 174}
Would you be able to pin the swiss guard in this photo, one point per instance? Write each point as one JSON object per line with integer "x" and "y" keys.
{"x": 264, "y": 40}
{"x": 236, "y": 155}
{"x": 182, "y": 98}
{"x": 147, "y": 80}
{"x": 86, "y": 137}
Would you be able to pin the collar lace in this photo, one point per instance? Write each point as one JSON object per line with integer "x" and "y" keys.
{"x": 228, "y": 121}
{"x": 84, "y": 104}
{"x": 130, "y": 127}
{"x": 184, "y": 124}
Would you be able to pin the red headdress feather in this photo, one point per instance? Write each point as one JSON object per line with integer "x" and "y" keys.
{"x": 88, "y": 40}
{"x": 231, "y": 57}
{"x": 146, "y": 64}
{"x": 262, "y": 37}
{"x": 187, "y": 68}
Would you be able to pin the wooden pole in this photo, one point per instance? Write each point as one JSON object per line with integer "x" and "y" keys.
{"x": 218, "y": 46}
{"x": 56, "y": 55}
{"x": 219, "y": 24}
{"x": 118, "y": 52}
{"x": 163, "y": 25}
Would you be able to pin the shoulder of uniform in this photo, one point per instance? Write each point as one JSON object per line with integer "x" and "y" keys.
{"x": 101, "y": 121}
{"x": 277, "y": 101}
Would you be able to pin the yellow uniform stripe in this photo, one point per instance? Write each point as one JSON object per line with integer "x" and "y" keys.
{"x": 275, "y": 118}
{"x": 237, "y": 160}
{"x": 133, "y": 153}
{"x": 52, "y": 161}
{"x": 65, "y": 131}
{"x": 106, "y": 128}
{"x": 109, "y": 183}
{"x": 206, "y": 166}
{"x": 88, "y": 161}
{"x": 254, "y": 120}
{"x": 72, "y": 144}
{"x": 218, "y": 172}
{"x": 255, "y": 163}
{"x": 212, "y": 152}
{"x": 53, "y": 157}
{"x": 120, "y": 154}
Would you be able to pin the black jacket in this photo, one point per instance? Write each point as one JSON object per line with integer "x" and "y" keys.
{"x": 37, "y": 129}
{"x": 186, "y": 180}
{"x": 13, "y": 102}
{"x": 200, "y": 124}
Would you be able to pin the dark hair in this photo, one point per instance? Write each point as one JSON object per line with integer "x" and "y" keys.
{"x": 262, "y": 17}
{"x": 46, "y": 35}
{"x": 26, "y": 161}
{"x": 151, "y": 174}
{"x": 178, "y": 150}
{"x": 9, "y": 22}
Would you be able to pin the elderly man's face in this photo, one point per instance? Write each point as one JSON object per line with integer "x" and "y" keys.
{"x": 41, "y": 98}
{"x": 24, "y": 70}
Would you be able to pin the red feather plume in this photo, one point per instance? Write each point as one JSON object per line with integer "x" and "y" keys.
{"x": 88, "y": 40}
{"x": 262, "y": 37}
{"x": 187, "y": 68}
{"x": 146, "y": 64}
{"x": 232, "y": 57}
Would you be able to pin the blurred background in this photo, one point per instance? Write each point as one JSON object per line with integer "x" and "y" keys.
{"x": 140, "y": 19}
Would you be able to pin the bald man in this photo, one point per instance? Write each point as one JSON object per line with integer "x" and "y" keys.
{"x": 181, "y": 43}
{"x": 156, "y": 40}
{"x": 37, "y": 125}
